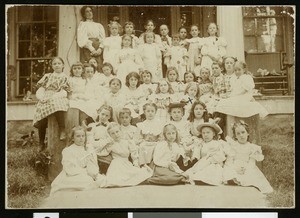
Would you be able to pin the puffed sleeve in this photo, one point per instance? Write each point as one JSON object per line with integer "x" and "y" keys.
{"x": 256, "y": 153}
{"x": 82, "y": 37}
{"x": 101, "y": 34}
{"x": 71, "y": 165}
{"x": 160, "y": 157}
{"x": 247, "y": 82}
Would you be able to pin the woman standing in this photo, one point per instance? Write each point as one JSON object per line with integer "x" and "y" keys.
{"x": 90, "y": 36}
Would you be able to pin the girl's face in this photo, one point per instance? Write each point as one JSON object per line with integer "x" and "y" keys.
{"x": 182, "y": 33}
{"x": 171, "y": 134}
{"x": 192, "y": 91}
{"x": 238, "y": 70}
{"x": 77, "y": 71}
{"x": 216, "y": 70}
{"x": 212, "y": 29}
{"x": 57, "y": 65}
{"x": 89, "y": 72}
{"x": 194, "y": 31}
{"x": 199, "y": 111}
{"x": 115, "y": 133}
{"x": 189, "y": 78}
{"x": 205, "y": 74}
{"x": 164, "y": 30}
{"x": 129, "y": 29}
{"x": 93, "y": 62}
{"x": 175, "y": 41}
{"x": 115, "y": 86}
{"x": 163, "y": 87}
{"x": 106, "y": 70}
{"x": 150, "y": 27}
{"x": 125, "y": 119}
{"x": 229, "y": 63}
{"x": 133, "y": 82}
{"x": 241, "y": 134}
{"x": 126, "y": 42}
{"x": 172, "y": 76}
{"x": 114, "y": 29}
{"x": 79, "y": 137}
{"x": 207, "y": 134}
{"x": 149, "y": 38}
{"x": 88, "y": 13}
{"x": 104, "y": 115}
{"x": 146, "y": 78}
{"x": 150, "y": 112}
{"x": 176, "y": 114}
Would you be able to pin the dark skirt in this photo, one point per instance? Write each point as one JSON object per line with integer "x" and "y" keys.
{"x": 164, "y": 176}
{"x": 187, "y": 166}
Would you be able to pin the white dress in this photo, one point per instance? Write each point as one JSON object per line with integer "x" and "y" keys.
{"x": 112, "y": 46}
{"x": 130, "y": 132}
{"x": 177, "y": 56}
{"x": 76, "y": 173}
{"x": 128, "y": 60}
{"x": 195, "y": 44}
{"x": 241, "y": 167}
{"x": 209, "y": 168}
{"x": 121, "y": 172}
{"x": 151, "y": 56}
{"x": 104, "y": 81}
{"x": 240, "y": 102}
{"x": 212, "y": 46}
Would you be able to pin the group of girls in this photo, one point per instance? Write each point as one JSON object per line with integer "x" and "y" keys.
{"x": 141, "y": 126}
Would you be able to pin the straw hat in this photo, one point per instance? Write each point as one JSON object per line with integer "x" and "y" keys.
{"x": 213, "y": 123}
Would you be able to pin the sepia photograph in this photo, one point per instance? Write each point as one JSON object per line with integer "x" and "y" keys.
{"x": 120, "y": 107}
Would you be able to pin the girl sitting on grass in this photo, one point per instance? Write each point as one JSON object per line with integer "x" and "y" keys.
{"x": 240, "y": 167}
{"x": 80, "y": 169}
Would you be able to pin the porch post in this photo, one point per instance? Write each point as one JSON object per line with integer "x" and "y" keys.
{"x": 230, "y": 22}
{"x": 175, "y": 19}
{"x": 69, "y": 18}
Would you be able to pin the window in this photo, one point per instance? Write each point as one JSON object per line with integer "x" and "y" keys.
{"x": 37, "y": 33}
{"x": 264, "y": 43}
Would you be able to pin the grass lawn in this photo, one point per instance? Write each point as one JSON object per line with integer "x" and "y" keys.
{"x": 27, "y": 185}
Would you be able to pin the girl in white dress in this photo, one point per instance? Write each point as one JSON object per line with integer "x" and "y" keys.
{"x": 128, "y": 59}
{"x": 182, "y": 31}
{"x": 129, "y": 30}
{"x": 230, "y": 77}
{"x": 94, "y": 61}
{"x": 129, "y": 131}
{"x": 135, "y": 99}
{"x": 195, "y": 45}
{"x": 77, "y": 97}
{"x": 162, "y": 98}
{"x": 112, "y": 44}
{"x": 166, "y": 155}
{"x": 214, "y": 47}
{"x": 80, "y": 169}
{"x": 190, "y": 95}
{"x": 176, "y": 56}
{"x": 209, "y": 169}
{"x": 240, "y": 102}
{"x": 106, "y": 75}
{"x": 121, "y": 171}
{"x": 240, "y": 166}
{"x": 172, "y": 76}
{"x": 151, "y": 56}
{"x": 115, "y": 98}
{"x": 189, "y": 77}
{"x": 147, "y": 86}
{"x": 150, "y": 131}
